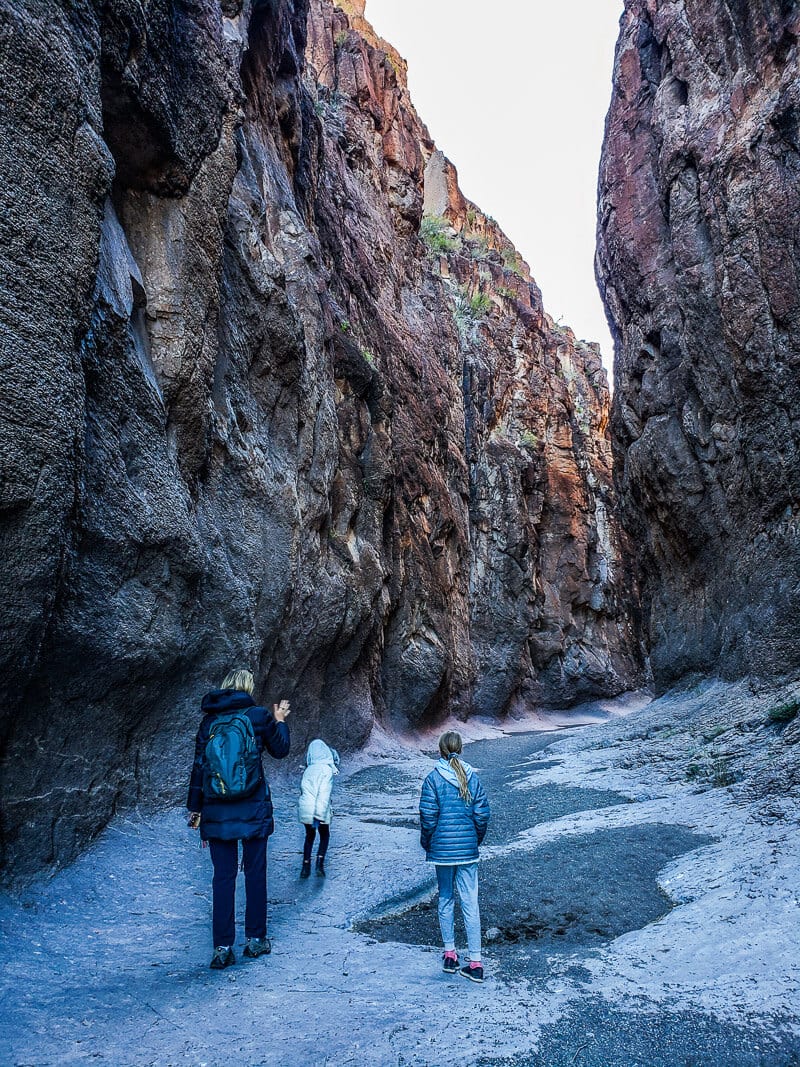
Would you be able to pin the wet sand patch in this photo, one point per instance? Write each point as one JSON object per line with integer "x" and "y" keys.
{"x": 600, "y": 1036}
{"x": 574, "y": 893}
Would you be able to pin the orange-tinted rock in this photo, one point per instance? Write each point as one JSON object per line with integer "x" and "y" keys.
{"x": 277, "y": 428}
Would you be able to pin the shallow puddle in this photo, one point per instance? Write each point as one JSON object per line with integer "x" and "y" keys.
{"x": 572, "y": 894}
{"x": 576, "y": 892}
{"x": 515, "y": 810}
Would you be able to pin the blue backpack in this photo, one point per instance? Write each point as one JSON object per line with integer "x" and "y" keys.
{"x": 232, "y": 762}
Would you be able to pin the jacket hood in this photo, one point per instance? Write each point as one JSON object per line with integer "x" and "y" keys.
{"x": 224, "y": 701}
{"x": 319, "y": 752}
{"x": 447, "y": 772}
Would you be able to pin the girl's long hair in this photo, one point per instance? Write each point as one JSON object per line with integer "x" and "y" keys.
{"x": 450, "y": 748}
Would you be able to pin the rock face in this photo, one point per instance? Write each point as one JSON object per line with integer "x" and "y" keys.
{"x": 258, "y": 411}
{"x": 700, "y": 264}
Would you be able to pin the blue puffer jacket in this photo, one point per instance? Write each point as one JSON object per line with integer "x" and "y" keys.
{"x": 450, "y": 830}
{"x": 251, "y": 816}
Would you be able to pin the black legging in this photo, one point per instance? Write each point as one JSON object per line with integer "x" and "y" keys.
{"x": 308, "y": 844}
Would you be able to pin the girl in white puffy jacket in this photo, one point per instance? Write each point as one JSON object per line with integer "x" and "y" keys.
{"x": 314, "y": 805}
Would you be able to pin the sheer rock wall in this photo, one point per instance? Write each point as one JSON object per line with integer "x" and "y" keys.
{"x": 699, "y": 261}
{"x": 251, "y": 417}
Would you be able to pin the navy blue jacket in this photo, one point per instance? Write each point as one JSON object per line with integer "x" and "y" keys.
{"x": 231, "y": 820}
{"x": 450, "y": 829}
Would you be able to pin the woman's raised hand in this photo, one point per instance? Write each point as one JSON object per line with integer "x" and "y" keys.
{"x": 281, "y": 710}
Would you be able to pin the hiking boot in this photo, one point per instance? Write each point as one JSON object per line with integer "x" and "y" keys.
{"x": 305, "y": 870}
{"x": 223, "y": 957}
{"x": 473, "y": 971}
{"x": 450, "y": 962}
{"x": 320, "y": 866}
{"x": 257, "y": 946}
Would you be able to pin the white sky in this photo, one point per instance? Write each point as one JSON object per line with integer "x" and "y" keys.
{"x": 515, "y": 93}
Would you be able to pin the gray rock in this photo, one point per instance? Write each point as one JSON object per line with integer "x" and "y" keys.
{"x": 698, "y": 261}
{"x": 248, "y": 419}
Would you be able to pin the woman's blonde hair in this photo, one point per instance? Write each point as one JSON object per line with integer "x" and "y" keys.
{"x": 241, "y": 679}
{"x": 450, "y": 745}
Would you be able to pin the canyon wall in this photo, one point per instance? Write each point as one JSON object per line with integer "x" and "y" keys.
{"x": 274, "y": 394}
{"x": 699, "y": 262}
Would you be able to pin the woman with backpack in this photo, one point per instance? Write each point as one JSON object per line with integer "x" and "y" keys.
{"x": 453, "y": 816}
{"x": 229, "y": 801}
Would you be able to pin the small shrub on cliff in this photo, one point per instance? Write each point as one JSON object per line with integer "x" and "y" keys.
{"x": 712, "y": 770}
{"x": 328, "y": 105}
{"x": 479, "y": 247}
{"x": 694, "y": 771}
{"x": 529, "y": 440}
{"x": 512, "y": 261}
{"x": 714, "y": 733}
{"x": 784, "y": 713}
{"x": 467, "y": 309}
{"x": 340, "y": 38}
{"x": 464, "y": 319}
{"x": 721, "y": 773}
{"x": 368, "y": 356}
{"x": 434, "y": 231}
{"x": 479, "y": 303}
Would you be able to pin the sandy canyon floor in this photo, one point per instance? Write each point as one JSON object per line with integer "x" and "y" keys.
{"x": 640, "y": 896}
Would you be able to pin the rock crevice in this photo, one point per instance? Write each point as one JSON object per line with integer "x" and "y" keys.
{"x": 277, "y": 394}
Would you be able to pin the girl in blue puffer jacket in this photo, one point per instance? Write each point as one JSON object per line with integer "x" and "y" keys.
{"x": 453, "y": 816}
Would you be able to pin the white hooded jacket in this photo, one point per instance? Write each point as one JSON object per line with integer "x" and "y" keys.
{"x": 322, "y": 763}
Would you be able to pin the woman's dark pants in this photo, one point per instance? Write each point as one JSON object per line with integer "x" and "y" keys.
{"x": 225, "y": 858}
{"x": 324, "y": 839}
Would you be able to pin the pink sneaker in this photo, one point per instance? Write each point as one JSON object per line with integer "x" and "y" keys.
{"x": 450, "y": 962}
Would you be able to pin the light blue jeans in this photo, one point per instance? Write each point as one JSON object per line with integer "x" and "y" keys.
{"x": 463, "y": 879}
